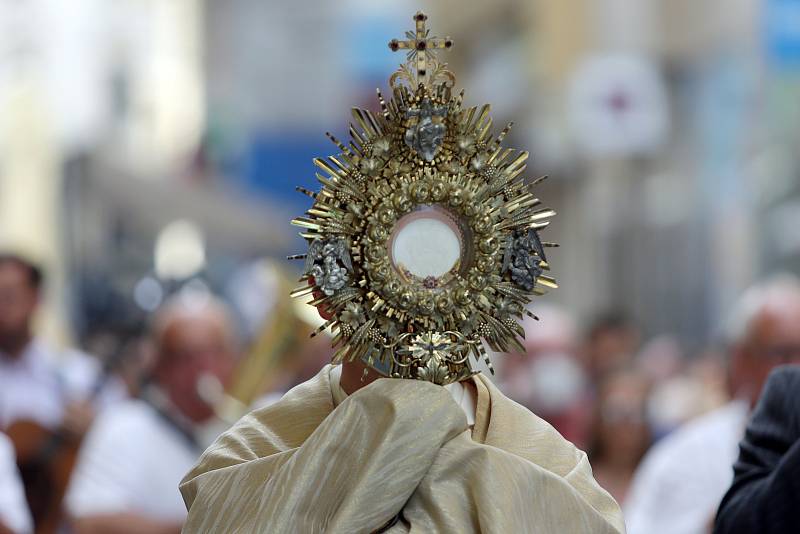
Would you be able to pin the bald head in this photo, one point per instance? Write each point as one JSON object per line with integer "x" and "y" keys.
{"x": 763, "y": 332}
{"x": 193, "y": 338}
{"x": 778, "y": 296}
{"x": 192, "y": 314}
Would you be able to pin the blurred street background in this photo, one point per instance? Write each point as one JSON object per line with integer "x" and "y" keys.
{"x": 150, "y": 147}
{"x": 668, "y": 129}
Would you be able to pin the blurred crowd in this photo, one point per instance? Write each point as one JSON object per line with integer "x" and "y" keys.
{"x": 95, "y": 445}
{"x": 661, "y": 425}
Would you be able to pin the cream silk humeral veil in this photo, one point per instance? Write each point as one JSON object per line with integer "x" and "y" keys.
{"x": 394, "y": 447}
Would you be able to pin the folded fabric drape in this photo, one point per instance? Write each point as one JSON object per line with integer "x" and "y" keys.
{"x": 396, "y": 448}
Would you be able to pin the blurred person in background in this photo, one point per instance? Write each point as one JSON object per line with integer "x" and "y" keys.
{"x": 126, "y": 480}
{"x": 699, "y": 389}
{"x": 610, "y": 344}
{"x": 14, "y": 515}
{"x": 660, "y": 359}
{"x": 621, "y": 434}
{"x": 31, "y": 383}
{"x": 548, "y": 378}
{"x": 48, "y": 397}
{"x": 680, "y": 482}
{"x": 765, "y": 494}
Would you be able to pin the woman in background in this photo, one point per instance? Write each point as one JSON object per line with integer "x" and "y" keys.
{"x": 621, "y": 435}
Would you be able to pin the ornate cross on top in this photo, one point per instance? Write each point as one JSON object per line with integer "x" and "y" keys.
{"x": 419, "y": 45}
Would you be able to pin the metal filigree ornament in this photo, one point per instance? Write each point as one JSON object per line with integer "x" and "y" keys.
{"x": 423, "y": 151}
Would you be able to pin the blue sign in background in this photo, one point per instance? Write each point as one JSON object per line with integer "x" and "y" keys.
{"x": 782, "y": 33}
{"x": 275, "y": 163}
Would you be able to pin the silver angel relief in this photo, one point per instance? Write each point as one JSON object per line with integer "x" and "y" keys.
{"x": 523, "y": 256}
{"x": 426, "y": 136}
{"x": 328, "y": 261}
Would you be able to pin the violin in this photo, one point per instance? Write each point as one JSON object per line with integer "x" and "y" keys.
{"x": 45, "y": 459}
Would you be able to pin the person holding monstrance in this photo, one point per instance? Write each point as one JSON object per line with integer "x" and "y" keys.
{"x": 423, "y": 247}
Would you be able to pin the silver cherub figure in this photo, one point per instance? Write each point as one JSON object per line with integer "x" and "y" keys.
{"x": 328, "y": 261}
{"x": 523, "y": 256}
{"x": 426, "y": 136}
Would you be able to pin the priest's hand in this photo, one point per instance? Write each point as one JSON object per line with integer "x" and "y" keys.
{"x": 324, "y": 312}
{"x": 355, "y": 374}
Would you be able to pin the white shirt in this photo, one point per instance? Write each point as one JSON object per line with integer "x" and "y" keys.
{"x": 30, "y": 388}
{"x": 80, "y": 373}
{"x": 36, "y": 385}
{"x": 13, "y": 509}
{"x": 682, "y": 479}
{"x": 132, "y": 461}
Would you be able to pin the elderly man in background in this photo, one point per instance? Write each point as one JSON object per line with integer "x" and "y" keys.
{"x": 126, "y": 479}
{"x": 681, "y": 481}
